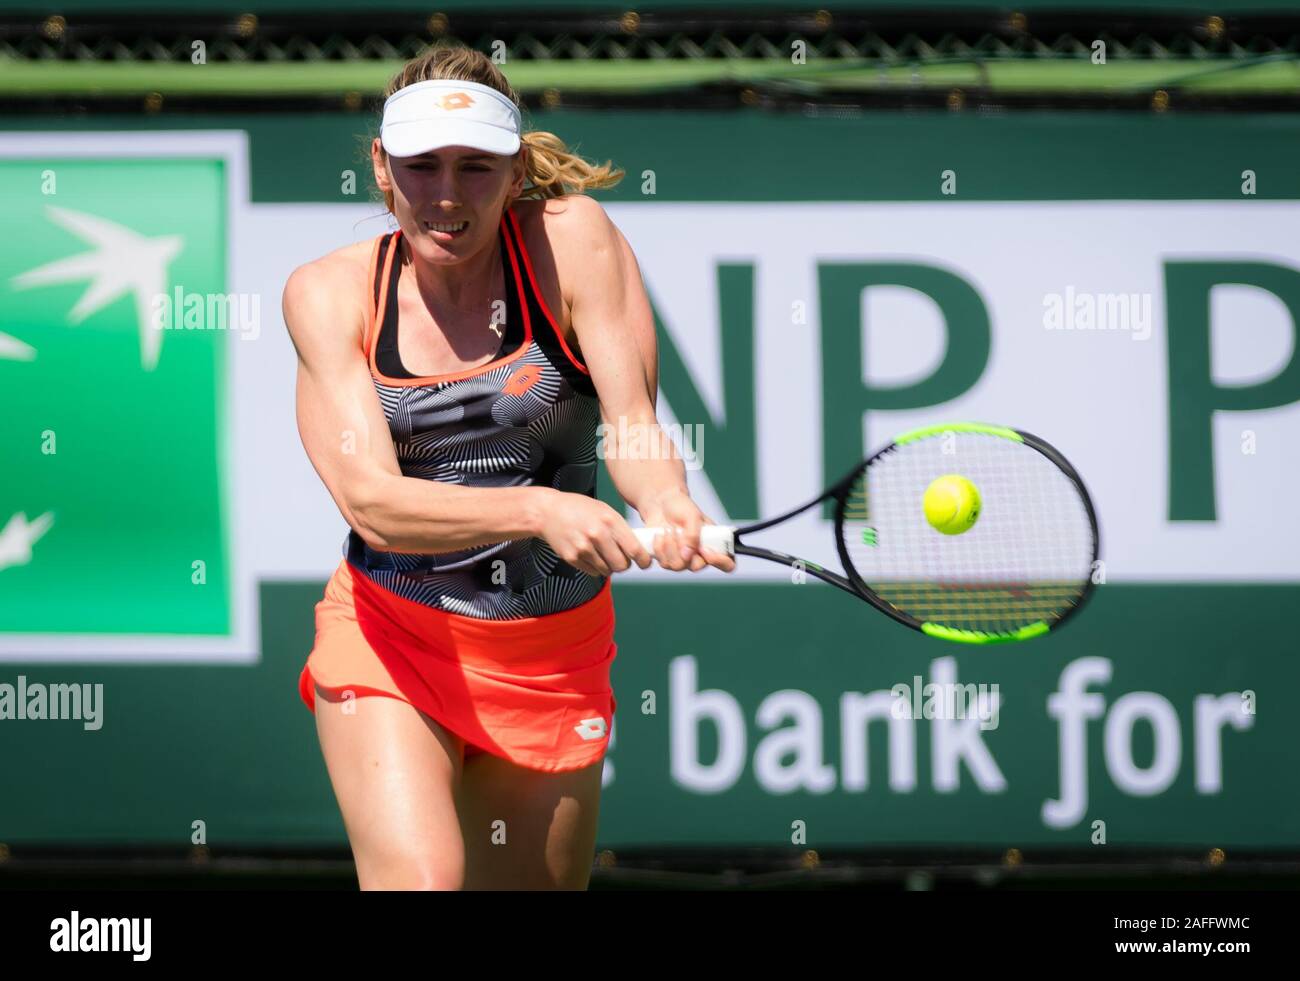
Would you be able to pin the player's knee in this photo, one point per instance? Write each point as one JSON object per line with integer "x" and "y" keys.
{"x": 412, "y": 872}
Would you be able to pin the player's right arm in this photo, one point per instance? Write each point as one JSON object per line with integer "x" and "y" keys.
{"x": 347, "y": 439}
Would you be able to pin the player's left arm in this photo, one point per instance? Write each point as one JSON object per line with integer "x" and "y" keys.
{"x": 614, "y": 325}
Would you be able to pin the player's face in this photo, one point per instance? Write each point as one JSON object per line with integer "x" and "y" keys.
{"x": 448, "y": 201}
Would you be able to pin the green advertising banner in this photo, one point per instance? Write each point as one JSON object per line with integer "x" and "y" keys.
{"x": 95, "y": 396}
{"x": 116, "y": 505}
{"x": 165, "y": 539}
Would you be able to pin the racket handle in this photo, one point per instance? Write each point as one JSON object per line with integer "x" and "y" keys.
{"x": 716, "y": 538}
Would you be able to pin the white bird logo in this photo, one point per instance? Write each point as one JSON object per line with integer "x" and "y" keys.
{"x": 20, "y": 535}
{"x": 124, "y": 261}
{"x": 12, "y": 349}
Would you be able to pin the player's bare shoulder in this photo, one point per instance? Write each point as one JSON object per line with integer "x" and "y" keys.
{"x": 575, "y": 229}
{"x": 325, "y": 299}
{"x": 571, "y": 222}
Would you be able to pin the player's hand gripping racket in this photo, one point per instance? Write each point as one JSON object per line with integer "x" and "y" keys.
{"x": 1018, "y": 567}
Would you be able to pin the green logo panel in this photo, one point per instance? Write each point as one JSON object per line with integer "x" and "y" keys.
{"x": 112, "y": 512}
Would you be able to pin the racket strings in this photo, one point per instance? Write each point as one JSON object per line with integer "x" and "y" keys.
{"x": 1027, "y": 558}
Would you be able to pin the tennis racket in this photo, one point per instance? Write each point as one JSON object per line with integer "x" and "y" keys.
{"x": 1022, "y": 569}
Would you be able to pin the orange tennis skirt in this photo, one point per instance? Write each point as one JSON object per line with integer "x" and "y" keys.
{"x": 535, "y": 691}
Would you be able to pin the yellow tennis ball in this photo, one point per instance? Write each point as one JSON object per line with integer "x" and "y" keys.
{"x": 951, "y": 504}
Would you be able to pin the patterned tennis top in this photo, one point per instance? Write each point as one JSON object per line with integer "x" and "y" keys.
{"x": 526, "y": 418}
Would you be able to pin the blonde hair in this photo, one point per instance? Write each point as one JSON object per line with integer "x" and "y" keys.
{"x": 552, "y": 169}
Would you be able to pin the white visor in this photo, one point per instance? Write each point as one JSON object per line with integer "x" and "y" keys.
{"x": 445, "y": 112}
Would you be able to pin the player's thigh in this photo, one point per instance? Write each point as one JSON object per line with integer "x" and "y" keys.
{"x": 394, "y": 771}
{"x": 527, "y": 829}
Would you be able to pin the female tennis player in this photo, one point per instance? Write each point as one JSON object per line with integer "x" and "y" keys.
{"x": 451, "y": 378}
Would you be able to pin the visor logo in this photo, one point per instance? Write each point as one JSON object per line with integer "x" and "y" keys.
{"x": 456, "y": 100}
